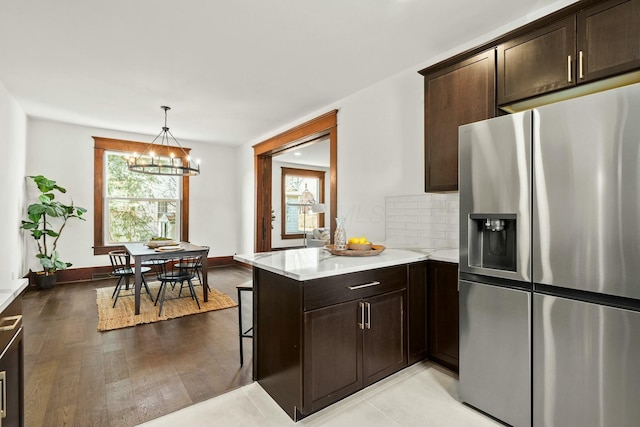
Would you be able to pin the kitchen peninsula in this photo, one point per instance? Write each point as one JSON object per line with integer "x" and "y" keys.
{"x": 327, "y": 326}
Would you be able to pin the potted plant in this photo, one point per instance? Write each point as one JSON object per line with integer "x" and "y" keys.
{"x": 47, "y": 219}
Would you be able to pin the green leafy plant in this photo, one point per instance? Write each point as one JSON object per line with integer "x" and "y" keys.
{"x": 47, "y": 218}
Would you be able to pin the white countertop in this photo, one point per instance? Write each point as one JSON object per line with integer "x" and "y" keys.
{"x": 314, "y": 263}
{"x": 10, "y": 290}
{"x": 446, "y": 255}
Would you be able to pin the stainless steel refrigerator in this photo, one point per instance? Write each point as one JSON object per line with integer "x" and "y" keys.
{"x": 572, "y": 338}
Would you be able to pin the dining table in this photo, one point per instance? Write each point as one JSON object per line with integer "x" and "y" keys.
{"x": 141, "y": 252}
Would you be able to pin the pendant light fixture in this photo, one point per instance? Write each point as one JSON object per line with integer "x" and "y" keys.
{"x": 161, "y": 158}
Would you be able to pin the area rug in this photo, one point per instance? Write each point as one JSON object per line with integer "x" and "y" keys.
{"x": 122, "y": 316}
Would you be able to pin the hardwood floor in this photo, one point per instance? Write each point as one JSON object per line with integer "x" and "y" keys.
{"x": 77, "y": 376}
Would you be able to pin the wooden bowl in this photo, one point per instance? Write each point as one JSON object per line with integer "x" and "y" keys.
{"x": 360, "y": 246}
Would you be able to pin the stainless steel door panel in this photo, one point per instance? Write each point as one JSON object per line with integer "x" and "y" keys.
{"x": 586, "y": 217}
{"x": 495, "y": 351}
{"x": 586, "y": 366}
{"x": 495, "y": 177}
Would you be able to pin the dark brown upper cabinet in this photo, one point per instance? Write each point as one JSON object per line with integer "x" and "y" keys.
{"x": 608, "y": 39}
{"x": 537, "y": 63}
{"x": 456, "y": 95}
{"x": 595, "y": 43}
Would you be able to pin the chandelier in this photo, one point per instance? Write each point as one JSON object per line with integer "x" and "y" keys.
{"x": 160, "y": 158}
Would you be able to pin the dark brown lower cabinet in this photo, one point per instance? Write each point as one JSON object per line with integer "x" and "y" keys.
{"x": 351, "y": 345}
{"x": 12, "y": 366}
{"x": 333, "y": 354}
{"x": 443, "y": 313}
{"x": 384, "y": 336}
{"x": 417, "y": 308}
{"x": 11, "y": 380}
{"x": 320, "y": 340}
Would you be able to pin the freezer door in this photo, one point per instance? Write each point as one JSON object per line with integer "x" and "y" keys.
{"x": 495, "y": 179}
{"x": 495, "y": 351}
{"x": 586, "y": 206}
{"x": 586, "y": 365}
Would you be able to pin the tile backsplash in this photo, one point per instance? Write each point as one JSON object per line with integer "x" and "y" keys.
{"x": 422, "y": 221}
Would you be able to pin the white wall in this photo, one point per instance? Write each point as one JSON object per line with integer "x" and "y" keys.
{"x": 13, "y": 143}
{"x": 276, "y": 190}
{"x": 64, "y": 152}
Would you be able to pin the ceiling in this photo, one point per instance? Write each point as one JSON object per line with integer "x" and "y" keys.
{"x": 314, "y": 154}
{"x": 232, "y": 70}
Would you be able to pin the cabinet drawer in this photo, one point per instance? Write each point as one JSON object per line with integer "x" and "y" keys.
{"x": 348, "y": 287}
{"x": 10, "y": 321}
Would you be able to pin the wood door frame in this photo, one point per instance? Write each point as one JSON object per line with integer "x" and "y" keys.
{"x": 321, "y": 126}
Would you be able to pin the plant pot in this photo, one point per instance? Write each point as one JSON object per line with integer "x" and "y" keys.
{"x": 46, "y": 280}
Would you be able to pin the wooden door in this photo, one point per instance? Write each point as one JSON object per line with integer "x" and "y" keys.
{"x": 417, "y": 312}
{"x": 443, "y": 313}
{"x": 384, "y": 336}
{"x": 332, "y": 354}
{"x": 608, "y": 39}
{"x": 538, "y": 62}
{"x": 457, "y": 95}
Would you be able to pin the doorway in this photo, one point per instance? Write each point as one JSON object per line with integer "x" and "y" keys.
{"x": 324, "y": 126}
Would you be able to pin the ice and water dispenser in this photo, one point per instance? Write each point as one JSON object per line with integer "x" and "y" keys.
{"x": 493, "y": 241}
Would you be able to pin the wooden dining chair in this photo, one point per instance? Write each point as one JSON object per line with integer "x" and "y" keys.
{"x": 121, "y": 268}
{"x": 173, "y": 274}
{"x": 198, "y": 267}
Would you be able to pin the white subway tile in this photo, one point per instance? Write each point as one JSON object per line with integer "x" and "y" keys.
{"x": 444, "y": 227}
{"x": 432, "y": 234}
{"x": 451, "y": 243}
{"x": 432, "y": 204}
{"x": 439, "y": 196}
{"x": 451, "y": 219}
{"x": 408, "y": 198}
{"x": 400, "y": 225}
{"x": 401, "y": 218}
{"x": 434, "y": 219}
{"x": 394, "y": 211}
{"x": 420, "y": 226}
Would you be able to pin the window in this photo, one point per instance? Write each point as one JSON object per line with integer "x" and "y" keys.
{"x": 300, "y": 189}
{"x": 133, "y": 207}
{"x": 138, "y": 206}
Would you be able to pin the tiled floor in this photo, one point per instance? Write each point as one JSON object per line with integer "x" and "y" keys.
{"x": 421, "y": 395}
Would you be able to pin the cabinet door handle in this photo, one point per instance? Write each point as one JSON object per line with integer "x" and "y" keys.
{"x": 361, "y": 322}
{"x": 3, "y": 380}
{"x": 14, "y": 319}
{"x": 580, "y": 70}
{"x": 569, "y": 68}
{"x": 366, "y": 285}
{"x": 368, "y": 323}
